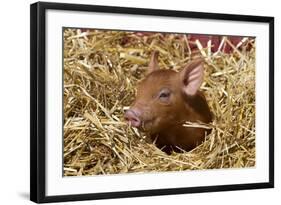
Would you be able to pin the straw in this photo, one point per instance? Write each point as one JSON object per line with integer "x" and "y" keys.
{"x": 101, "y": 71}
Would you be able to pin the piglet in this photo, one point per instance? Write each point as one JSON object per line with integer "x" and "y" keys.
{"x": 165, "y": 100}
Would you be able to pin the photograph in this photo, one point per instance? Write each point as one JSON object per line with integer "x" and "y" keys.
{"x": 139, "y": 101}
{"x": 134, "y": 102}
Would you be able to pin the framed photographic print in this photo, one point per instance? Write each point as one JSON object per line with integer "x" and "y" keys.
{"x": 129, "y": 102}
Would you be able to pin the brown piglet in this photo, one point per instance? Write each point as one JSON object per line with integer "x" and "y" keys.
{"x": 165, "y": 100}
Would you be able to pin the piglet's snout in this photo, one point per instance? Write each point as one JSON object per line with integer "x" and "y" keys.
{"x": 132, "y": 116}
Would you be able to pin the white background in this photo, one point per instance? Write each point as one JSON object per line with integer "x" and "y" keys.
{"x": 56, "y": 185}
{"x": 14, "y": 101}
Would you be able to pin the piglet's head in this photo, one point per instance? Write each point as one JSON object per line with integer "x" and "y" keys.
{"x": 162, "y": 96}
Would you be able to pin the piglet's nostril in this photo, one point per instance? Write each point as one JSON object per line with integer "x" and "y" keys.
{"x": 132, "y": 118}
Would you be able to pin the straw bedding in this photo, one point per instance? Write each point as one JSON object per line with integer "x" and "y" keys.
{"x": 101, "y": 70}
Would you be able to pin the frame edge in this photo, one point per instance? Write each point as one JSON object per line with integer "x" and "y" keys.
{"x": 37, "y": 102}
{"x": 33, "y": 103}
{"x": 154, "y": 12}
{"x": 271, "y": 101}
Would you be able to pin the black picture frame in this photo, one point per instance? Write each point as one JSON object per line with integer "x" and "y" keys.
{"x": 38, "y": 100}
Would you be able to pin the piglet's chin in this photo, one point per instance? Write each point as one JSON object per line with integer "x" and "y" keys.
{"x": 134, "y": 124}
{"x": 149, "y": 126}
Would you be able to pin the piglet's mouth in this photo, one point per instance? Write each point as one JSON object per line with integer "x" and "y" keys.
{"x": 144, "y": 126}
{"x": 132, "y": 118}
{"x": 136, "y": 121}
{"x": 147, "y": 126}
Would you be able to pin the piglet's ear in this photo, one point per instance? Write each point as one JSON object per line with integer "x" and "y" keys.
{"x": 153, "y": 64}
{"x": 192, "y": 76}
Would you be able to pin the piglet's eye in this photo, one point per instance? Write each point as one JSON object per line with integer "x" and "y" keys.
{"x": 164, "y": 95}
